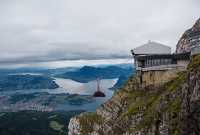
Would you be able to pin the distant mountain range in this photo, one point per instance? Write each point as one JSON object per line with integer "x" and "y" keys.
{"x": 35, "y": 78}
{"x": 21, "y": 82}
{"x": 46, "y": 72}
{"x": 88, "y": 73}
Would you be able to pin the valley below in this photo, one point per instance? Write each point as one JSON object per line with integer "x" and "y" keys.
{"x": 69, "y": 96}
{"x": 42, "y": 101}
{"x": 35, "y": 122}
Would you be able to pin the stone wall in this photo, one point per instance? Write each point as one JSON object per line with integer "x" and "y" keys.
{"x": 157, "y": 77}
{"x": 161, "y": 74}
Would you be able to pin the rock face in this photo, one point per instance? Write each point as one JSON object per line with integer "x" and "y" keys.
{"x": 158, "y": 77}
{"x": 74, "y": 127}
{"x": 169, "y": 109}
{"x": 189, "y": 38}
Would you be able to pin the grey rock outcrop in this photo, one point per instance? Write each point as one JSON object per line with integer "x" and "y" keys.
{"x": 188, "y": 38}
{"x": 74, "y": 127}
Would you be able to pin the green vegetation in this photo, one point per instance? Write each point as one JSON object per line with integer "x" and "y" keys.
{"x": 152, "y": 103}
{"x": 88, "y": 120}
{"x": 194, "y": 64}
{"x": 56, "y": 126}
{"x": 175, "y": 83}
{"x": 173, "y": 109}
{"x": 146, "y": 107}
{"x": 35, "y": 123}
{"x": 149, "y": 103}
{"x": 27, "y": 82}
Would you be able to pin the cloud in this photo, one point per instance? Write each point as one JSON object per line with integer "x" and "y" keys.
{"x": 89, "y": 29}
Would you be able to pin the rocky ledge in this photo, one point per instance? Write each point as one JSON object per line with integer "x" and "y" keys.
{"x": 169, "y": 109}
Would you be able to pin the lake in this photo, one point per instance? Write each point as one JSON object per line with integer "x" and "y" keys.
{"x": 68, "y": 86}
{"x": 73, "y": 87}
{"x": 89, "y": 88}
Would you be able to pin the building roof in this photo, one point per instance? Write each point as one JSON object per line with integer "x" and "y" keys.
{"x": 152, "y": 48}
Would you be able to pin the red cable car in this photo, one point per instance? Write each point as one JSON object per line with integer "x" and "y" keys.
{"x": 98, "y": 92}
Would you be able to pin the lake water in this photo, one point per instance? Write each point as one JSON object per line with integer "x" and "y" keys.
{"x": 73, "y": 87}
{"x": 70, "y": 86}
{"x": 86, "y": 89}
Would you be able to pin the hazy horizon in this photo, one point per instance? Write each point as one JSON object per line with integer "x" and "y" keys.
{"x": 35, "y": 30}
{"x": 65, "y": 63}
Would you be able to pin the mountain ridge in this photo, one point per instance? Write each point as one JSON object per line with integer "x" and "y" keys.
{"x": 90, "y": 73}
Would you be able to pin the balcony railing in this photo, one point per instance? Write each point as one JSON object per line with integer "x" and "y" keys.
{"x": 161, "y": 67}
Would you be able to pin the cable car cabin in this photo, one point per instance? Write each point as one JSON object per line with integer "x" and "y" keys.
{"x": 98, "y": 92}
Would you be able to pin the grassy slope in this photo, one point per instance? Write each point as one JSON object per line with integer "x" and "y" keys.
{"x": 150, "y": 103}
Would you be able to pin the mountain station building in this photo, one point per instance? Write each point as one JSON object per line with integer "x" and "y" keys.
{"x": 155, "y": 63}
{"x": 156, "y": 56}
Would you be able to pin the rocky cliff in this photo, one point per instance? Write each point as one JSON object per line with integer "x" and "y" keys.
{"x": 170, "y": 109}
{"x": 186, "y": 39}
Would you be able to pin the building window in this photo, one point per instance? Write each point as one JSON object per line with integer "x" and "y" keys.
{"x": 162, "y": 62}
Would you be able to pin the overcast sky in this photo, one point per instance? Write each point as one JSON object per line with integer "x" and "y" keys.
{"x": 89, "y": 29}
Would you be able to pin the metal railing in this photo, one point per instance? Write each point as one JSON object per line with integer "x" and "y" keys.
{"x": 162, "y": 67}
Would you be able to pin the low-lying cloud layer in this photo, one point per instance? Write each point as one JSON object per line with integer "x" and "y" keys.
{"x": 34, "y": 30}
